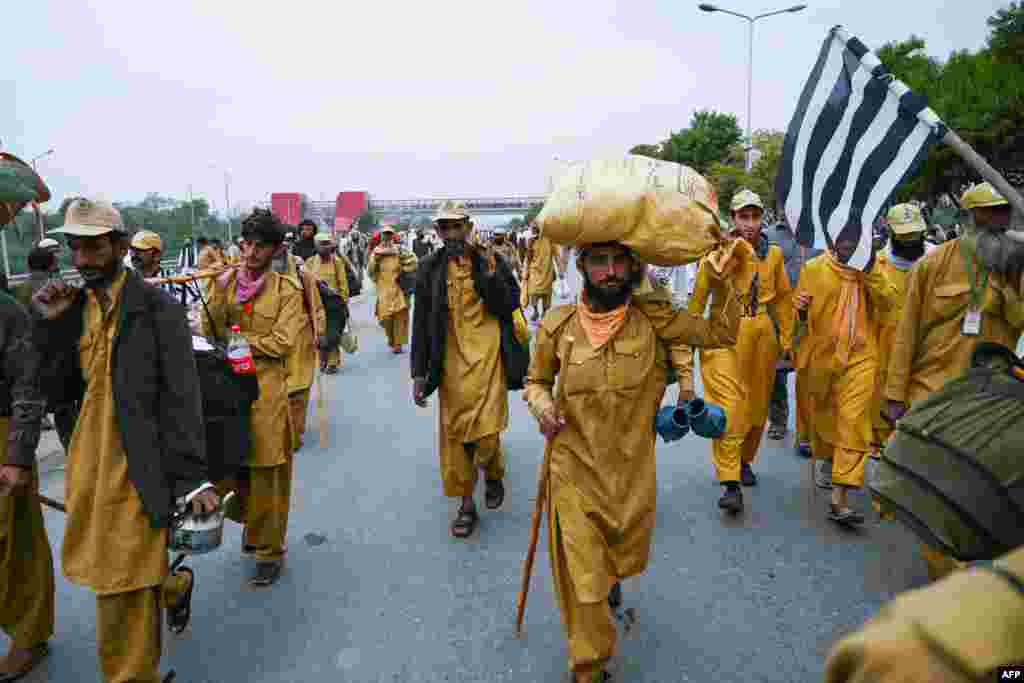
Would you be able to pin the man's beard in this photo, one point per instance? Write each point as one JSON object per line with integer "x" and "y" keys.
{"x": 997, "y": 252}
{"x": 610, "y": 299}
{"x": 279, "y": 263}
{"x": 98, "y": 278}
{"x": 455, "y": 247}
{"x": 908, "y": 251}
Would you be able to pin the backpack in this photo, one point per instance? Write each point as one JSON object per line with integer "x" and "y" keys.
{"x": 953, "y": 471}
{"x": 337, "y": 315}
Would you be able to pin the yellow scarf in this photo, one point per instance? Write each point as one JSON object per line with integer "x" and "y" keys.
{"x": 600, "y": 327}
{"x": 849, "y": 323}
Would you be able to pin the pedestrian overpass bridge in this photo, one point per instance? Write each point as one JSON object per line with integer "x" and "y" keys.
{"x": 412, "y": 208}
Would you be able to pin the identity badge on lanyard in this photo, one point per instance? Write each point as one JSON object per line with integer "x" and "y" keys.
{"x": 972, "y": 318}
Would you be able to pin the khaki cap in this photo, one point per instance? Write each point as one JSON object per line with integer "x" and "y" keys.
{"x": 323, "y": 237}
{"x": 745, "y": 198}
{"x": 452, "y": 211}
{"x": 147, "y": 239}
{"x": 982, "y": 195}
{"x": 89, "y": 218}
{"x": 904, "y": 219}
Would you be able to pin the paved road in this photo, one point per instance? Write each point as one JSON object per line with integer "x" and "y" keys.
{"x": 375, "y": 588}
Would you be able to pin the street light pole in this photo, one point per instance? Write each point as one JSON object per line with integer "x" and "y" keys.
{"x": 704, "y": 7}
{"x": 40, "y": 156}
{"x": 227, "y": 202}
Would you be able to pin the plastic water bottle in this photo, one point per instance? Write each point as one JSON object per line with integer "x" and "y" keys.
{"x": 239, "y": 353}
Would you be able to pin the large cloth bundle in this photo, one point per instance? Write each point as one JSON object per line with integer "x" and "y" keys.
{"x": 336, "y": 313}
{"x": 953, "y": 471}
{"x": 666, "y": 213}
{"x": 227, "y": 407}
{"x": 19, "y": 185}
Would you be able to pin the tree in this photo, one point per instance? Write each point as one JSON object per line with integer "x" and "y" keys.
{"x": 978, "y": 94}
{"x": 652, "y": 151}
{"x": 367, "y": 222}
{"x": 1006, "y": 42}
{"x": 708, "y": 140}
{"x": 532, "y": 213}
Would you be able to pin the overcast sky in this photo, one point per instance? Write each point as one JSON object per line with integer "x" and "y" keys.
{"x": 402, "y": 99}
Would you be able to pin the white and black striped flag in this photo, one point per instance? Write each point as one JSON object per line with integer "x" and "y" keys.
{"x": 856, "y": 135}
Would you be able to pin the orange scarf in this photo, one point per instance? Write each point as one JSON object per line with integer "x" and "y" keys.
{"x": 849, "y": 323}
{"x": 600, "y": 327}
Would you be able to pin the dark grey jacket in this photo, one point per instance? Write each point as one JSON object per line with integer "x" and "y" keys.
{"x": 156, "y": 390}
{"x": 793, "y": 256}
{"x": 499, "y": 291}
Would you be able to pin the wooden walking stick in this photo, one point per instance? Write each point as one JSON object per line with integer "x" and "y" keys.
{"x": 538, "y": 516}
{"x": 321, "y": 405}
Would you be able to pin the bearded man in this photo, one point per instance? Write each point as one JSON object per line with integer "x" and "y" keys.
{"x": 963, "y": 292}
{"x": 305, "y": 246}
{"x": 122, "y": 350}
{"x": 388, "y": 261}
{"x": 507, "y": 248}
{"x": 609, "y": 355}
{"x": 904, "y": 230}
{"x": 268, "y": 307}
{"x": 837, "y": 360}
{"x": 463, "y": 292}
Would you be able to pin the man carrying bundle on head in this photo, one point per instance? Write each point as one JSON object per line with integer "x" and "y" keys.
{"x": 463, "y": 292}
{"x": 123, "y": 350}
{"x": 267, "y": 306}
{"x": 963, "y": 292}
{"x": 609, "y": 356}
{"x": 390, "y": 264}
{"x": 332, "y": 269}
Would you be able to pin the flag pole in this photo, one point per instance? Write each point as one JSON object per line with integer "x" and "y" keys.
{"x": 985, "y": 170}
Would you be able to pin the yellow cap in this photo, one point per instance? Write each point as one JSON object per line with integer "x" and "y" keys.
{"x": 904, "y": 219}
{"x": 982, "y": 195}
{"x": 745, "y": 198}
{"x": 147, "y": 239}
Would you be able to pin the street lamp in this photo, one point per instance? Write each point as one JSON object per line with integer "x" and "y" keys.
{"x": 37, "y": 158}
{"x": 705, "y": 7}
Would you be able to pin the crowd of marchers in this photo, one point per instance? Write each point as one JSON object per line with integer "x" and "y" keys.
{"x": 115, "y": 361}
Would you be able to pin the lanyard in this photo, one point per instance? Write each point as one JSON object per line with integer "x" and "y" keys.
{"x": 972, "y": 277}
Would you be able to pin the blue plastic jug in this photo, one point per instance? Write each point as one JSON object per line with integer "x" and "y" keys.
{"x": 706, "y": 419}
{"x": 672, "y": 423}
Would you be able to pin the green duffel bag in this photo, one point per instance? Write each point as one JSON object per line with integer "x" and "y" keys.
{"x": 953, "y": 471}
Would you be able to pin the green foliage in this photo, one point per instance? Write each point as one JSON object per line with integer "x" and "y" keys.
{"x": 368, "y": 221}
{"x": 978, "y": 94}
{"x": 532, "y": 213}
{"x": 169, "y": 218}
{"x": 730, "y": 176}
{"x": 652, "y": 151}
{"x": 1006, "y": 41}
{"x": 707, "y": 141}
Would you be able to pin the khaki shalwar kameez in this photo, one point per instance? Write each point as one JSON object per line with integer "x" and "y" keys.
{"x": 26, "y": 563}
{"x": 929, "y": 348}
{"x": 332, "y": 273}
{"x": 888, "y": 322}
{"x": 109, "y": 544}
{"x": 602, "y": 485}
{"x": 392, "y": 304}
{"x": 542, "y": 265}
{"x": 271, "y": 322}
{"x": 840, "y": 379}
{"x": 473, "y": 392}
{"x": 302, "y": 361}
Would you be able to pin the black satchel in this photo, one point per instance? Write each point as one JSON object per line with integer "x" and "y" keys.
{"x": 514, "y": 356}
{"x": 355, "y": 283}
{"x": 407, "y": 282}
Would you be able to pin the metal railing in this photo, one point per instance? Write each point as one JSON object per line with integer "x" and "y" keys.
{"x": 72, "y": 277}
